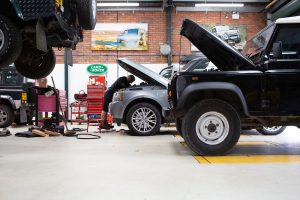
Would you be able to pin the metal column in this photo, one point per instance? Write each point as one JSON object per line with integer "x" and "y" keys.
{"x": 170, "y": 15}
{"x": 66, "y": 62}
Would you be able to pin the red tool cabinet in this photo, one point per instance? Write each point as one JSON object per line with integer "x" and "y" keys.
{"x": 95, "y": 100}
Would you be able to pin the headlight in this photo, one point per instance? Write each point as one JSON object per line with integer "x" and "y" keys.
{"x": 118, "y": 96}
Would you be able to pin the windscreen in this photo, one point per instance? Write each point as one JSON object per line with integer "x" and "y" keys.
{"x": 259, "y": 42}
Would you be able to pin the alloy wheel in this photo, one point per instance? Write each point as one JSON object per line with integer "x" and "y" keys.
{"x": 272, "y": 128}
{"x": 144, "y": 119}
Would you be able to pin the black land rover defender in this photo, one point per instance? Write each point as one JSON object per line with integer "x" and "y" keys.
{"x": 30, "y": 28}
{"x": 16, "y": 98}
{"x": 258, "y": 87}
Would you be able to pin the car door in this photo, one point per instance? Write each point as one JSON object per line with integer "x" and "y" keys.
{"x": 283, "y": 74}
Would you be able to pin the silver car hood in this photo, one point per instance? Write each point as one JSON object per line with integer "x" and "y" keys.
{"x": 142, "y": 72}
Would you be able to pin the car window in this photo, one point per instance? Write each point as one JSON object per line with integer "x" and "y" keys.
{"x": 11, "y": 78}
{"x": 201, "y": 66}
{"x": 258, "y": 42}
{"x": 196, "y": 65}
{"x": 166, "y": 72}
{"x": 290, "y": 41}
{"x": 189, "y": 64}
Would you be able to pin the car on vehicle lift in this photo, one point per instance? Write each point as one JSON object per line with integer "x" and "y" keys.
{"x": 29, "y": 29}
{"x": 16, "y": 98}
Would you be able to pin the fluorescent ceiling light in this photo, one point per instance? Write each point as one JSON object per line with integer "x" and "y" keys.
{"x": 118, "y": 4}
{"x": 219, "y": 5}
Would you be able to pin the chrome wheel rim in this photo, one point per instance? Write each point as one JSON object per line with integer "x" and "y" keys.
{"x": 272, "y": 128}
{"x": 212, "y": 128}
{"x": 1, "y": 39}
{"x": 144, "y": 120}
{"x": 3, "y": 116}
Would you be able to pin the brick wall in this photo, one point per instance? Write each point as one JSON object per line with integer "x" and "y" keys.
{"x": 157, "y": 30}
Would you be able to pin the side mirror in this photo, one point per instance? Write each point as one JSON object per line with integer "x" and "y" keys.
{"x": 277, "y": 49}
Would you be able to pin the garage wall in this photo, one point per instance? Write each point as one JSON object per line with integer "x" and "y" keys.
{"x": 254, "y": 22}
{"x": 157, "y": 22}
{"x": 79, "y": 76}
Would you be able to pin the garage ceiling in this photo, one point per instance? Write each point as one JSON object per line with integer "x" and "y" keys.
{"x": 187, "y": 5}
{"x": 278, "y": 8}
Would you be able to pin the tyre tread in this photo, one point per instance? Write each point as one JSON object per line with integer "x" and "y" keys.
{"x": 14, "y": 46}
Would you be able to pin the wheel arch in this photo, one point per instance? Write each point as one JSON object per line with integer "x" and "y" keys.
{"x": 10, "y": 10}
{"x": 142, "y": 100}
{"x": 8, "y": 100}
{"x": 227, "y": 92}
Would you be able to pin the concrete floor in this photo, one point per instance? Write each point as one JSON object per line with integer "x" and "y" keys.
{"x": 121, "y": 167}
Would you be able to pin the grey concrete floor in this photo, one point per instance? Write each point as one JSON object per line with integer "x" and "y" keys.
{"x": 121, "y": 167}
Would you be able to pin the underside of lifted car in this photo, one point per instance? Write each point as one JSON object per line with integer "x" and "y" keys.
{"x": 30, "y": 29}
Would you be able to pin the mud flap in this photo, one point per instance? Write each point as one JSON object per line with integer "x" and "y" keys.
{"x": 23, "y": 115}
{"x": 41, "y": 40}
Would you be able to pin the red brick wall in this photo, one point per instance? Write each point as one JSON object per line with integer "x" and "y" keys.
{"x": 157, "y": 30}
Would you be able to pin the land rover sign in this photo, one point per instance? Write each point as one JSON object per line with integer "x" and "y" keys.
{"x": 97, "y": 69}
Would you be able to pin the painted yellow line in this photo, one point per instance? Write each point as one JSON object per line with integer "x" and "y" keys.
{"x": 183, "y": 144}
{"x": 178, "y": 136}
{"x": 245, "y": 135}
{"x": 247, "y": 143}
{"x": 248, "y": 159}
{"x": 253, "y": 143}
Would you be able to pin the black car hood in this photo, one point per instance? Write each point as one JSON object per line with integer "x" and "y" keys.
{"x": 215, "y": 49}
{"x": 142, "y": 72}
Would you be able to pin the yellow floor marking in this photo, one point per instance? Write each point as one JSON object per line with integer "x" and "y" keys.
{"x": 183, "y": 144}
{"x": 247, "y": 143}
{"x": 253, "y": 143}
{"x": 245, "y": 135}
{"x": 248, "y": 159}
{"x": 178, "y": 136}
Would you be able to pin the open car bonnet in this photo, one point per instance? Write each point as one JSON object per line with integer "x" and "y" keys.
{"x": 142, "y": 72}
{"x": 215, "y": 49}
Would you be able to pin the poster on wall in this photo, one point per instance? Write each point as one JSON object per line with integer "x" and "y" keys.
{"x": 120, "y": 36}
{"x": 233, "y": 35}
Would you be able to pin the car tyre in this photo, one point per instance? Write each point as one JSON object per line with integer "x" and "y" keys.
{"x": 35, "y": 64}
{"x": 146, "y": 124}
{"x": 6, "y": 116}
{"x": 10, "y": 42}
{"x": 87, "y": 10}
{"x": 211, "y": 127}
{"x": 179, "y": 125}
{"x": 273, "y": 130}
